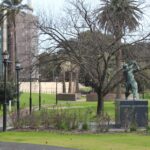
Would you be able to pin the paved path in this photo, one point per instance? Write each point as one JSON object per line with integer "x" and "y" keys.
{"x": 1, "y": 121}
{"x": 8, "y": 123}
{"x": 17, "y": 146}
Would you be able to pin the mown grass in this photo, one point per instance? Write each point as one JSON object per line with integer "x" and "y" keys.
{"x": 121, "y": 141}
{"x": 114, "y": 141}
{"x": 46, "y": 99}
{"x": 50, "y": 100}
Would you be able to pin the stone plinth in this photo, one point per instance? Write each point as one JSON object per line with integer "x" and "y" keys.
{"x": 129, "y": 111}
{"x": 69, "y": 96}
{"x": 93, "y": 97}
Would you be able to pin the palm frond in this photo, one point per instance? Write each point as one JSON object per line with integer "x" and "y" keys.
{"x": 123, "y": 13}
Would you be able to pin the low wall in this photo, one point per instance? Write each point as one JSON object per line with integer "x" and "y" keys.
{"x": 69, "y": 96}
{"x": 46, "y": 87}
{"x": 110, "y": 96}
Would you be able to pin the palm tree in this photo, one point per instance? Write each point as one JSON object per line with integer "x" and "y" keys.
{"x": 13, "y": 8}
{"x": 116, "y": 17}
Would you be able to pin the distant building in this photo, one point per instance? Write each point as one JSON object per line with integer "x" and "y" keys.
{"x": 27, "y": 45}
{"x": 1, "y": 60}
{"x": 3, "y": 41}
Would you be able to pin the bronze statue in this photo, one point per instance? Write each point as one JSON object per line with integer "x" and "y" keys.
{"x": 130, "y": 82}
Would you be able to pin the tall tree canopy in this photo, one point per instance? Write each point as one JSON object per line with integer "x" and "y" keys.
{"x": 116, "y": 17}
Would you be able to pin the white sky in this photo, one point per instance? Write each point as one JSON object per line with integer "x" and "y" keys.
{"x": 55, "y": 8}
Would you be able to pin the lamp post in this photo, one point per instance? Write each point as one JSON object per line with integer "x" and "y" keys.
{"x": 56, "y": 79}
{"x": 18, "y": 68}
{"x": 30, "y": 98}
{"x": 5, "y": 61}
{"x": 39, "y": 91}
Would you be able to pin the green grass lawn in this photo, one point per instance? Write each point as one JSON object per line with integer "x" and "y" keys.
{"x": 46, "y": 99}
{"x": 124, "y": 141}
{"x": 50, "y": 99}
{"x": 107, "y": 141}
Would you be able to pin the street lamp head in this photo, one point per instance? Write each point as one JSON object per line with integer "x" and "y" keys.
{"x": 18, "y": 65}
{"x": 39, "y": 75}
{"x": 5, "y": 55}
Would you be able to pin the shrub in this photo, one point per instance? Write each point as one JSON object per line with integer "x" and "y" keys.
{"x": 57, "y": 118}
{"x": 65, "y": 118}
{"x": 45, "y": 117}
{"x": 133, "y": 125}
{"x": 10, "y": 91}
{"x": 85, "y": 126}
{"x": 85, "y": 90}
{"x": 34, "y": 120}
{"x": 130, "y": 123}
{"x": 148, "y": 129}
{"x": 103, "y": 121}
{"x": 24, "y": 120}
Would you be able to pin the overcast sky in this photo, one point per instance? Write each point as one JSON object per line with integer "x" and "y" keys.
{"x": 53, "y": 6}
{"x": 56, "y": 6}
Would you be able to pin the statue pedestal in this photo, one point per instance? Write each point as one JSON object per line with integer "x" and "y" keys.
{"x": 69, "y": 96}
{"x": 131, "y": 111}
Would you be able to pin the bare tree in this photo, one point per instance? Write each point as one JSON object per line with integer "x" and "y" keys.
{"x": 79, "y": 39}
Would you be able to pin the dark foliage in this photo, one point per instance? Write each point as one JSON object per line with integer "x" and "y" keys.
{"x": 10, "y": 91}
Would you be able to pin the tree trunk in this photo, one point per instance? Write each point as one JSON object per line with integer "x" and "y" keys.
{"x": 118, "y": 59}
{"x": 16, "y": 53}
{"x": 77, "y": 82}
{"x": 64, "y": 82}
{"x": 11, "y": 49}
{"x": 70, "y": 82}
{"x": 100, "y": 103}
{"x": 118, "y": 66}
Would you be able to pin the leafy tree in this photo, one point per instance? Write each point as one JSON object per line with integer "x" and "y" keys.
{"x": 9, "y": 9}
{"x": 117, "y": 16}
{"x": 10, "y": 91}
{"x": 13, "y": 7}
{"x": 49, "y": 68}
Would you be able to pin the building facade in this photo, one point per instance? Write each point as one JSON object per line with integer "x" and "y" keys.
{"x": 1, "y": 60}
{"x": 26, "y": 48}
